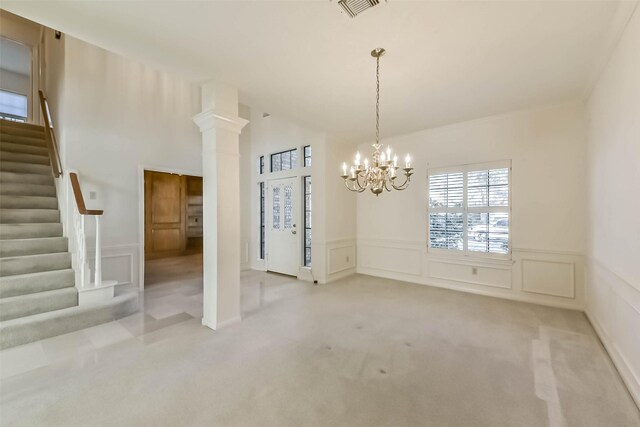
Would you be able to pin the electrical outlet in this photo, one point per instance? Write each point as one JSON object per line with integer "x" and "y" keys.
{"x": 92, "y": 195}
{"x": 474, "y": 271}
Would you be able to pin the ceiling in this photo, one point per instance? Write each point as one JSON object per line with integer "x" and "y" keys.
{"x": 446, "y": 61}
{"x": 15, "y": 57}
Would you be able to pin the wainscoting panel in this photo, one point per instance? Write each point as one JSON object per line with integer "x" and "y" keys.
{"x": 119, "y": 262}
{"x": 548, "y": 278}
{"x": 394, "y": 257}
{"x": 553, "y": 278}
{"x": 499, "y": 277}
{"x": 613, "y": 307}
{"x": 341, "y": 258}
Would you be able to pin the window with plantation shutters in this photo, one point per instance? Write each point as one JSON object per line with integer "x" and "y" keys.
{"x": 469, "y": 209}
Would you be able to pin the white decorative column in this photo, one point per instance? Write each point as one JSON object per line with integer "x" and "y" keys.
{"x": 220, "y": 126}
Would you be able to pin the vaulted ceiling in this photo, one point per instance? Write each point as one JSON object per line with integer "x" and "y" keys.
{"x": 446, "y": 61}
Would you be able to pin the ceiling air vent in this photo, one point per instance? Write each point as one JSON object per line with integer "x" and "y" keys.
{"x": 355, "y": 7}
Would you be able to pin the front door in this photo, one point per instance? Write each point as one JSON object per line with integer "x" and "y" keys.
{"x": 282, "y": 219}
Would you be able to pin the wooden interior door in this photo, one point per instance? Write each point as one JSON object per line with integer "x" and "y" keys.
{"x": 165, "y": 214}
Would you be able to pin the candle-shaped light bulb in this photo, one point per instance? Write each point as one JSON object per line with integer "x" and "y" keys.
{"x": 357, "y": 158}
{"x": 382, "y": 157}
{"x": 366, "y": 162}
{"x": 388, "y": 153}
{"x": 395, "y": 161}
{"x": 344, "y": 169}
{"x": 353, "y": 172}
{"x": 407, "y": 161}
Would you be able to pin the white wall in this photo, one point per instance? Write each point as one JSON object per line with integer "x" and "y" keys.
{"x": 246, "y": 185}
{"x": 338, "y": 212}
{"x": 546, "y": 148}
{"x": 613, "y": 226}
{"x": 121, "y": 116}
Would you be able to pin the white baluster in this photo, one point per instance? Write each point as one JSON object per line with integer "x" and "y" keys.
{"x": 84, "y": 280}
{"x": 98, "y": 269}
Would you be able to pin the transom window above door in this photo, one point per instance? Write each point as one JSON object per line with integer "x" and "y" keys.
{"x": 284, "y": 160}
{"x": 469, "y": 209}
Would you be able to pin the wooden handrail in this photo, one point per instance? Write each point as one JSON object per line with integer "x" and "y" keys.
{"x": 50, "y": 137}
{"x": 77, "y": 193}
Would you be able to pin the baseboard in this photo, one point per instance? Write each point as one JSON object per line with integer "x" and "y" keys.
{"x": 621, "y": 364}
{"x": 221, "y": 325}
{"x": 340, "y": 275}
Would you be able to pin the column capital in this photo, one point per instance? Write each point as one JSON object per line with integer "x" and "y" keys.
{"x": 214, "y": 119}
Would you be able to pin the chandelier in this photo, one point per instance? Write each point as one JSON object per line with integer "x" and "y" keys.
{"x": 381, "y": 173}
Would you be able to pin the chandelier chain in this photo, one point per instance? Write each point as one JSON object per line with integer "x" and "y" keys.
{"x": 378, "y": 100}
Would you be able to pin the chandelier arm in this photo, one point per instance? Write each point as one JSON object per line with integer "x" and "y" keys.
{"x": 363, "y": 187}
{"x": 404, "y": 185}
{"x": 355, "y": 188}
{"x": 346, "y": 184}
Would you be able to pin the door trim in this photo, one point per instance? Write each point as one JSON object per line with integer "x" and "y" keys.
{"x": 150, "y": 168}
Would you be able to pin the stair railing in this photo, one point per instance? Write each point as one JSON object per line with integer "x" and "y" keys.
{"x": 50, "y": 137}
{"x": 81, "y": 245}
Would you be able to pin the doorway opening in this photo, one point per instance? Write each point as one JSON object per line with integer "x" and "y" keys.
{"x": 173, "y": 229}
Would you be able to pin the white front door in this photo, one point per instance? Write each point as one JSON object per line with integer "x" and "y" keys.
{"x": 283, "y": 255}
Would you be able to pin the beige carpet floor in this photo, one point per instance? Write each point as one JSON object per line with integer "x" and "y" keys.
{"x": 359, "y": 352}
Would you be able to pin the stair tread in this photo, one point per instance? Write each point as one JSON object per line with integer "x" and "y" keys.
{"x": 25, "y": 178}
{"x": 49, "y": 314}
{"x": 5, "y": 152}
{"x": 50, "y": 238}
{"x": 16, "y": 147}
{"x": 28, "y": 202}
{"x": 30, "y": 158}
{"x": 56, "y": 322}
{"x": 38, "y": 295}
{"x": 23, "y": 196}
{"x": 32, "y": 168}
{"x": 12, "y": 231}
{"x": 29, "y": 216}
{"x": 25, "y": 210}
{"x": 35, "y": 141}
{"x": 34, "y": 256}
{"x": 32, "y": 275}
{"x": 9, "y": 123}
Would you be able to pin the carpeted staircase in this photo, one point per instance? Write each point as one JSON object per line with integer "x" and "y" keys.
{"x": 38, "y": 297}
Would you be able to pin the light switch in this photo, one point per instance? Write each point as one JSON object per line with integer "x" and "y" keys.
{"x": 92, "y": 195}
